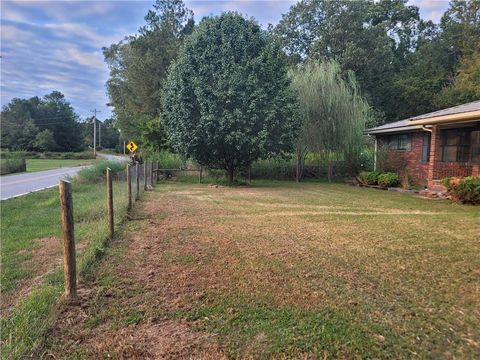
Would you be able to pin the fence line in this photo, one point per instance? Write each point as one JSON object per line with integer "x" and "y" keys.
{"x": 66, "y": 203}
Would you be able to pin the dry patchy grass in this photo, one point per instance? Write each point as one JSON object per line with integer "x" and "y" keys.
{"x": 283, "y": 270}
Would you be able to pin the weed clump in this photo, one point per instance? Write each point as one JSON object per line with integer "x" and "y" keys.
{"x": 98, "y": 172}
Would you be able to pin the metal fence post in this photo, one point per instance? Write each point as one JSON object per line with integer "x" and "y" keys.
{"x": 69, "y": 258}
{"x": 110, "y": 203}
{"x": 137, "y": 178}
{"x": 129, "y": 186}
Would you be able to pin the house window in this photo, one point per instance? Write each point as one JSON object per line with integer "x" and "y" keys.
{"x": 426, "y": 147}
{"x": 400, "y": 142}
{"x": 460, "y": 146}
{"x": 475, "y": 140}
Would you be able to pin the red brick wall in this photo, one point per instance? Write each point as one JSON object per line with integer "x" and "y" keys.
{"x": 417, "y": 170}
{"x": 448, "y": 169}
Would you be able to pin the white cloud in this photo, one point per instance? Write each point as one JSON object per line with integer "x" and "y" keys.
{"x": 81, "y": 31}
{"x": 14, "y": 33}
{"x": 10, "y": 13}
{"x": 431, "y": 9}
{"x": 89, "y": 59}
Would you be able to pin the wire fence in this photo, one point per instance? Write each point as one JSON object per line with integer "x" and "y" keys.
{"x": 129, "y": 184}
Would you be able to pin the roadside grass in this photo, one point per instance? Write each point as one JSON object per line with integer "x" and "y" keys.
{"x": 31, "y": 253}
{"x": 284, "y": 270}
{"x": 97, "y": 173}
{"x": 34, "y": 165}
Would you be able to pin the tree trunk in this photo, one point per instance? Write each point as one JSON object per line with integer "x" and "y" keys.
{"x": 231, "y": 173}
{"x": 299, "y": 171}
{"x": 300, "y": 162}
{"x": 330, "y": 170}
{"x": 297, "y": 174}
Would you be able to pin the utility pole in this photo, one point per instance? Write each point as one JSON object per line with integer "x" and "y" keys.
{"x": 99, "y": 133}
{"x": 95, "y": 131}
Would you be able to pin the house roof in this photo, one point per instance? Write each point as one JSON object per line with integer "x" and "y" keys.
{"x": 417, "y": 122}
{"x": 473, "y": 106}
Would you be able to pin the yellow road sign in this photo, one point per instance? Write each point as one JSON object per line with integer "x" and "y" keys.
{"x": 132, "y": 146}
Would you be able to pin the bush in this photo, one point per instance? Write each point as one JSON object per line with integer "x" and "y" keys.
{"x": 10, "y": 166}
{"x": 6, "y": 154}
{"x": 466, "y": 190}
{"x": 389, "y": 179}
{"x": 368, "y": 177}
{"x": 68, "y": 155}
{"x": 166, "y": 159}
{"x": 98, "y": 172}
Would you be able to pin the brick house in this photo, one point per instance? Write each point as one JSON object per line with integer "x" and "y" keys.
{"x": 435, "y": 145}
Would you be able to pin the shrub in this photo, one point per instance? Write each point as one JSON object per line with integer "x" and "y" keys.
{"x": 6, "y": 154}
{"x": 368, "y": 177}
{"x": 166, "y": 159}
{"x": 466, "y": 190}
{"x": 98, "y": 172}
{"x": 389, "y": 179}
{"x": 68, "y": 155}
{"x": 10, "y": 166}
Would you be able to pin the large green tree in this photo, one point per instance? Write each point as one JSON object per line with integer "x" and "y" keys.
{"x": 227, "y": 101}
{"x": 427, "y": 71}
{"x": 18, "y": 130}
{"x": 138, "y": 68}
{"x": 461, "y": 34}
{"x": 444, "y": 70}
{"x": 22, "y": 119}
{"x": 371, "y": 38}
{"x": 461, "y": 27}
{"x": 333, "y": 113}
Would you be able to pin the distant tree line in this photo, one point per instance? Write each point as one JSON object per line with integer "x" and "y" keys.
{"x": 50, "y": 124}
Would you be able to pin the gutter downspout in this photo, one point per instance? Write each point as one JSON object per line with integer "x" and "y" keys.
{"x": 424, "y": 128}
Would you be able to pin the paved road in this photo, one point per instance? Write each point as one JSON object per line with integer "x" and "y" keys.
{"x": 22, "y": 184}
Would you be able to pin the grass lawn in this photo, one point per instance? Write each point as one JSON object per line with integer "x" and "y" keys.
{"x": 283, "y": 270}
{"x": 48, "y": 164}
{"x": 32, "y": 255}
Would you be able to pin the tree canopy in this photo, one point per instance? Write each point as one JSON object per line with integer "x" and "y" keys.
{"x": 138, "y": 68}
{"x": 227, "y": 101}
{"x": 403, "y": 64}
{"x": 51, "y": 118}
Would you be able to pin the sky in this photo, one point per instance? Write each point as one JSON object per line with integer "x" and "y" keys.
{"x": 57, "y": 45}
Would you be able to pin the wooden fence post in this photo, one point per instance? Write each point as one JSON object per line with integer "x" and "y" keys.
{"x": 152, "y": 173}
{"x": 69, "y": 258}
{"x": 156, "y": 172}
{"x": 145, "y": 173}
{"x": 129, "y": 186}
{"x": 110, "y": 203}
{"x": 137, "y": 179}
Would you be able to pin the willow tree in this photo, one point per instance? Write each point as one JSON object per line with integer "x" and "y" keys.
{"x": 332, "y": 110}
